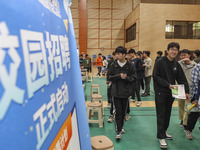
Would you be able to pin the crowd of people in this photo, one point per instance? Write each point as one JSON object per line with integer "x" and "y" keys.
{"x": 128, "y": 71}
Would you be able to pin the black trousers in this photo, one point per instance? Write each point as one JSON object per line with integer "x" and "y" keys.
{"x": 192, "y": 119}
{"x": 136, "y": 89}
{"x": 111, "y": 107}
{"x": 163, "y": 111}
{"x": 119, "y": 107}
{"x": 109, "y": 93}
{"x": 147, "y": 84}
{"x": 142, "y": 83}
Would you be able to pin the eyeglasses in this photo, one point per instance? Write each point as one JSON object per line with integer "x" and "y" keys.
{"x": 174, "y": 49}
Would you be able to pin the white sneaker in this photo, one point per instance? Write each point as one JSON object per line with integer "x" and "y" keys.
{"x": 99, "y": 77}
{"x": 169, "y": 137}
{"x": 139, "y": 103}
{"x": 123, "y": 131}
{"x": 132, "y": 100}
{"x": 118, "y": 136}
{"x": 163, "y": 144}
{"x": 188, "y": 135}
{"x": 143, "y": 91}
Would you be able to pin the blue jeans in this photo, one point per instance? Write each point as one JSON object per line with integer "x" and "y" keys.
{"x": 99, "y": 70}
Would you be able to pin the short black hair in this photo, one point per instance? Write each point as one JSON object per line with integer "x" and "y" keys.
{"x": 148, "y": 53}
{"x": 159, "y": 53}
{"x": 86, "y": 55}
{"x": 197, "y": 52}
{"x": 121, "y": 49}
{"x": 185, "y": 51}
{"x": 131, "y": 51}
{"x": 173, "y": 44}
{"x": 81, "y": 55}
{"x": 139, "y": 53}
{"x": 100, "y": 54}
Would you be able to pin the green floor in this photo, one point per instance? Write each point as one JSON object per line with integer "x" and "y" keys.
{"x": 141, "y": 128}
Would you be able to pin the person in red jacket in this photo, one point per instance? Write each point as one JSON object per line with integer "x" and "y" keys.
{"x": 99, "y": 64}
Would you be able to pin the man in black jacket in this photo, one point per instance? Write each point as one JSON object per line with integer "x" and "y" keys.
{"x": 166, "y": 72}
{"x": 122, "y": 73}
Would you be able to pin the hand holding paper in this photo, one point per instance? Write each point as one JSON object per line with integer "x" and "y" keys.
{"x": 178, "y": 91}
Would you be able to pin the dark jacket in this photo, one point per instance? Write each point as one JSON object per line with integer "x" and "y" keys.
{"x": 165, "y": 73}
{"x": 121, "y": 88}
{"x": 138, "y": 63}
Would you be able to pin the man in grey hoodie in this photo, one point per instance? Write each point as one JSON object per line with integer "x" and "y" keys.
{"x": 187, "y": 65}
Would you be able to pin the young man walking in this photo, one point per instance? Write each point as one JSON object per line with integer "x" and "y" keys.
{"x": 121, "y": 73}
{"x": 99, "y": 64}
{"x": 166, "y": 72}
{"x": 139, "y": 68}
{"x": 147, "y": 72}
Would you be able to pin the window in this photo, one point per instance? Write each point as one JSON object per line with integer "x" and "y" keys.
{"x": 182, "y": 30}
{"x": 131, "y": 33}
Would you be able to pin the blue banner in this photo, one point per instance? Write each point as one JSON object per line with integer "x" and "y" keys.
{"x": 41, "y": 96}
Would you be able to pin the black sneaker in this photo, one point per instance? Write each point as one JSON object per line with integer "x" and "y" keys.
{"x": 118, "y": 135}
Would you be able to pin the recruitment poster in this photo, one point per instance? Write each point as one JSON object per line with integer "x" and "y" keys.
{"x": 41, "y": 97}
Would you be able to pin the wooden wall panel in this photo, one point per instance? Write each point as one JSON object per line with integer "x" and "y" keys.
{"x": 92, "y": 43}
{"x": 105, "y": 43}
{"x": 77, "y": 43}
{"x": 105, "y": 34}
{"x": 153, "y": 21}
{"x": 118, "y": 14}
{"x": 104, "y": 13}
{"x": 93, "y": 33}
{"x": 118, "y": 34}
{"x": 93, "y": 3}
{"x": 76, "y": 23}
{"x": 74, "y": 13}
{"x": 118, "y": 4}
{"x": 93, "y": 13}
{"x": 105, "y": 24}
{"x": 93, "y": 23}
{"x": 105, "y": 3}
{"x": 118, "y": 24}
{"x": 74, "y": 4}
{"x": 76, "y": 31}
{"x": 116, "y": 43}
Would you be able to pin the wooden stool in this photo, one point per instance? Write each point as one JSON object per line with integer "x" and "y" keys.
{"x": 90, "y": 77}
{"x": 95, "y": 86}
{"x": 95, "y": 107}
{"x": 101, "y": 143}
{"x": 99, "y": 98}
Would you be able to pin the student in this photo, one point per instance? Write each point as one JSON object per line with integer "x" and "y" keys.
{"x": 187, "y": 65}
{"x": 81, "y": 60}
{"x": 140, "y": 56}
{"x": 121, "y": 73}
{"x": 87, "y": 63}
{"x": 195, "y": 93}
{"x": 105, "y": 65}
{"x": 166, "y": 72}
{"x": 139, "y": 67}
{"x": 99, "y": 64}
{"x": 148, "y": 72}
{"x": 196, "y": 55}
{"x": 159, "y": 55}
